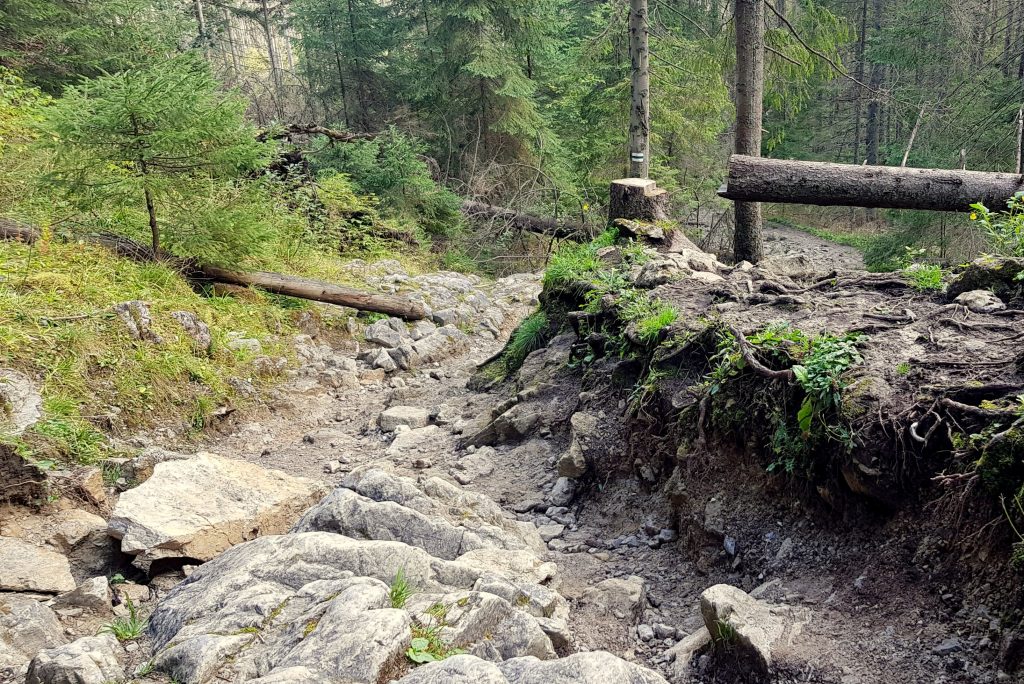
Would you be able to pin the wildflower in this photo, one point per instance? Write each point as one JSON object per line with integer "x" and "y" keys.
{"x": 974, "y": 216}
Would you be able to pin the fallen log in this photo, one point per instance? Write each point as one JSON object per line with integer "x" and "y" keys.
{"x": 314, "y": 129}
{"x": 12, "y": 230}
{"x": 755, "y": 179}
{"x": 319, "y": 291}
{"x": 527, "y": 222}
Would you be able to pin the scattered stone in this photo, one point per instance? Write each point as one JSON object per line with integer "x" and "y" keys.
{"x": 682, "y": 654}
{"x": 623, "y": 598}
{"x": 421, "y": 329}
{"x": 562, "y": 492}
{"x": 475, "y": 465}
{"x": 26, "y": 567}
{"x": 333, "y": 467}
{"x": 237, "y": 342}
{"x": 136, "y": 317}
{"x": 92, "y": 595}
{"x": 667, "y": 535}
{"x": 197, "y": 508}
{"x": 196, "y": 329}
{"x": 549, "y": 532}
{"x": 528, "y": 505}
{"x": 384, "y": 362}
{"x": 948, "y": 647}
{"x": 663, "y": 631}
{"x": 409, "y": 416}
{"x": 89, "y": 660}
{"x": 390, "y": 332}
{"x": 645, "y": 632}
{"x": 714, "y": 517}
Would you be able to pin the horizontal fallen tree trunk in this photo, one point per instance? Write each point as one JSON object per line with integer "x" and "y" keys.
{"x": 756, "y": 179}
{"x": 12, "y": 230}
{"x": 292, "y": 286}
{"x": 527, "y": 222}
{"x": 319, "y": 291}
{"x": 314, "y": 129}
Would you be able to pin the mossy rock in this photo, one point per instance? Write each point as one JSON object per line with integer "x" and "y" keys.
{"x": 1002, "y": 275}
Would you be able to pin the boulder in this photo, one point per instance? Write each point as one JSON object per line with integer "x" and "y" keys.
{"x": 92, "y": 595}
{"x": 980, "y": 301}
{"x": 20, "y": 402}
{"x": 137, "y": 319}
{"x": 26, "y": 628}
{"x": 585, "y": 438}
{"x": 624, "y": 599}
{"x": 388, "y": 333}
{"x": 1001, "y": 276}
{"x": 26, "y": 567}
{"x": 447, "y": 341}
{"x": 473, "y": 466}
{"x": 89, "y": 660}
{"x": 755, "y": 630}
{"x": 597, "y": 667}
{"x": 197, "y": 508}
{"x": 409, "y": 416}
{"x": 482, "y": 624}
{"x": 196, "y": 329}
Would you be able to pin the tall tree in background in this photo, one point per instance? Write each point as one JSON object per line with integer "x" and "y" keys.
{"x": 748, "y": 242}
{"x": 640, "y": 92}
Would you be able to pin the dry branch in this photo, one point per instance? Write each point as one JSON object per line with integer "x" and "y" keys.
{"x": 522, "y": 221}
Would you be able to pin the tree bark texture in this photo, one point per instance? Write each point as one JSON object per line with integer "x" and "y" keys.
{"x": 640, "y": 105}
{"x": 753, "y": 179}
{"x": 637, "y": 199}
{"x": 527, "y": 222}
{"x": 748, "y": 243}
{"x": 320, "y": 291}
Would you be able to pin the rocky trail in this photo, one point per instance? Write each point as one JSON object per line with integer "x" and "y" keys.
{"x": 385, "y": 517}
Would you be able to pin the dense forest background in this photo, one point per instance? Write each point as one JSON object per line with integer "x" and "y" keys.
{"x": 521, "y": 104}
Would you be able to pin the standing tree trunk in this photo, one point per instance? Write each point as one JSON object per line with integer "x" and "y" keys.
{"x": 858, "y": 100}
{"x": 874, "y": 126}
{"x": 275, "y": 67}
{"x": 748, "y": 243}
{"x": 204, "y": 38}
{"x": 639, "y": 112}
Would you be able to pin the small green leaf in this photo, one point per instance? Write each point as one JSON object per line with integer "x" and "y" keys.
{"x": 420, "y": 644}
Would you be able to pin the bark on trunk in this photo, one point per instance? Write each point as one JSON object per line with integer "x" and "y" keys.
{"x": 527, "y": 222}
{"x": 752, "y": 179}
{"x": 639, "y": 112}
{"x": 748, "y": 243}
{"x": 637, "y": 199}
{"x": 320, "y": 291}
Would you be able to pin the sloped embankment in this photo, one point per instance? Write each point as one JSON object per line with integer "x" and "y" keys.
{"x": 845, "y": 429}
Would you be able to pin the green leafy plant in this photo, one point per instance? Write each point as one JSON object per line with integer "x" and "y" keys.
{"x": 1004, "y": 230}
{"x": 126, "y": 628}
{"x": 428, "y": 645}
{"x": 821, "y": 376}
{"x": 925, "y": 277}
{"x": 400, "y": 589}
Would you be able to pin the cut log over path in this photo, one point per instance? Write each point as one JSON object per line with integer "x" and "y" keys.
{"x": 755, "y": 179}
{"x": 527, "y": 222}
{"x": 319, "y": 291}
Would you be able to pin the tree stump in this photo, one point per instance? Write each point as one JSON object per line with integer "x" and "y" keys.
{"x": 637, "y": 199}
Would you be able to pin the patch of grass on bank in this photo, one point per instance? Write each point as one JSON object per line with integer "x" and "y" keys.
{"x": 57, "y": 326}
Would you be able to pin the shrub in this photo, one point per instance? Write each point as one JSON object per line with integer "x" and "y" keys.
{"x": 1005, "y": 230}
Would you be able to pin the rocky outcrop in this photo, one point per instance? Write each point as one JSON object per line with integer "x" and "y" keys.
{"x": 198, "y": 507}
{"x": 26, "y": 567}
{"x": 383, "y": 558}
{"x": 581, "y": 668}
{"x": 90, "y": 660}
{"x": 26, "y": 628}
{"x": 20, "y": 402}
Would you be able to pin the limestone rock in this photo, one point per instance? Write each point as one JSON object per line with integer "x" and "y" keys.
{"x": 445, "y": 342}
{"x": 410, "y": 416}
{"x": 26, "y": 627}
{"x": 473, "y": 466}
{"x": 682, "y": 654}
{"x": 196, "y": 329}
{"x": 389, "y": 333}
{"x": 20, "y": 402}
{"x": 562, "y": 492}
{"x": 585, "y": 435}
{"x": 26, "y": 567}
{"x": 411, "y": 443}
{"x": 622, "y": 598}
{"x": 483, "y": 624}
{"x": 980, "y": 301}
{"x": 136, "y": 317}
{"x": 89, "y": 660}
{"x": 755, "y": 629}
{"x": 197, "y": 508}
{"x": 93, "y": 595}
{"x": 597, "y": 667}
